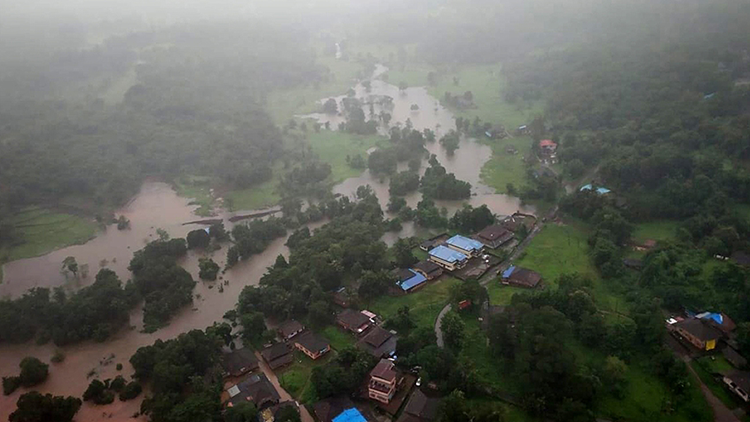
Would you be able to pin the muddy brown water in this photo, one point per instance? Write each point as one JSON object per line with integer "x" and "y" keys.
{"x": 158, "y": 206}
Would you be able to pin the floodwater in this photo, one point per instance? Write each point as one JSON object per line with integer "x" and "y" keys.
{"x": 158, "y": 206}
{"x": 424, "y": 111}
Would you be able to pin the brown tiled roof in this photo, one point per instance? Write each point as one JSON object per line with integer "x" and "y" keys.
{"x": 329, "y": 408}
{"x": 351, "y": 318}
{"x": 377, "y": 336}
{"x": 423, "y": 407}
{"x": 378, "y": 342}
{"x": 494, "y": 232}
{"x": 238, "y": 361}
{"x": 290, "y": 327}
{"x": 428, "y": 267}
{"x": 256, "y": 388}
{"x": 699, "y": 329}
{"x": 277, "y": 355}
{"x": 311, "y": 342}
{"x": 525, "y": 277}
{"x": 384, "y": 370}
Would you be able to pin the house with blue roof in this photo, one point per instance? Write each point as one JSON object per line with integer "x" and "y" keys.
{"x": 350, "y": 415}
{"x": 448, "y": 258}
{"x": 466, "y": 246}
{"x": 410, "y": 280}
{"x": 599, "y": 190}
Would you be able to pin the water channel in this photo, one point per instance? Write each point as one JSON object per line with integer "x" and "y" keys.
{"x": 158, "y": 206}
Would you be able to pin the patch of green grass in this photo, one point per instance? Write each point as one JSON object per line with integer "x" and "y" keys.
{"x": 424, "y": 304}
{"x": 504, "y": 168}
{"x": 115, "y": 92}
{"x": 284, "y": 104}
{"x": 43, "y": 231}
{"x": 489, "y": 368}
{"x": 295, "y": 379}
{"x": 501, "y": 295}
{"x": 196, "y": 188}
{"x": 656, "y": 230}
{"x": 338, "y": 338}
{"x": 263, "y": 195}
{"x": 333, "y": 147}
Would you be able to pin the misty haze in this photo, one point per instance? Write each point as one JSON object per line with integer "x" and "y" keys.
{"x": 375, "y": 211}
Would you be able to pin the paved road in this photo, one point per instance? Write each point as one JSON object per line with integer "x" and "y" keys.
{"x": 493, "y": 272}
{"x": 304, "y": 414}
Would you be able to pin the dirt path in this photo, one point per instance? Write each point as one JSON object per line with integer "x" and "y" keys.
{"x": 304, "y": 414}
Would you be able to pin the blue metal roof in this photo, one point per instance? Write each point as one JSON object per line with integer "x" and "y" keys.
{"x": 447, "y": 254}
{"x": 600, "y": 191}
{"x": 350, "y": 415}
{"x": 464, "y": 243}
{"x": 415, "y": 280}
{"x": 509, "y": 271}
{"x": 718, "y": 318}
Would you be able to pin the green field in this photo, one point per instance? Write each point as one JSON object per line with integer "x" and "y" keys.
{"x": 333, "y": 147}
{"x": 656, "y": 230}
{"x": 43, "y": 231}
{"x": 424, "y": 304}
{"x": 504, "y": 168}
{"x": 501, "y": 295}
{"x": 263, "y": 195}
{"x": 197, "y": 189}
{"x": 338, "y": 338}
{"x": 295, "y": 379}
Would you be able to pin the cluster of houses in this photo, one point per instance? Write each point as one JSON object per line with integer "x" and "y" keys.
{"x": 710, "y": 332}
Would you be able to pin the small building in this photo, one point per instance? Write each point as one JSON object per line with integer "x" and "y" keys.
{"x": 289, "y": 329}
{"x": 350, "y": 415}
{"x": 449, "y": 259}
{"x": 420, "y": 408}
{"x": 311, "y": 345}
{"x": 547, "y": 147}
{"x": 384, "y": 380}
{"x": 515, "y": 221}
{"x": 494, "y": 236}
{"x": 428, "y": 269}
{"x": 734, "y": 357}
{"x": 353, "y": 321}
{"x": 466, "y": 246}
{"x": 256, "y": 389}
{"x": 341, "y": 298}
{"x": 738, "y": 382}
{"x": 269, "y": 414}
{"x": 379, "y": 342}
{"x": 278, "y": 355}
{"x": 600, "y": 190}
{"x": 239, "y": 362}
{"x": 522, "y": 130}
{"x": 521, "y": 277}
{"x": 327, "y": 410}
{"x": 700, "y": 334}
{"x": 410, "y": 280}
{"x": 428, "y": 244}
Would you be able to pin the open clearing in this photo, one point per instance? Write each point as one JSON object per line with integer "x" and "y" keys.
{"x": 424, "y": 304}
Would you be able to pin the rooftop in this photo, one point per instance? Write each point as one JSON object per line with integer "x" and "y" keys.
{"x": 350, "y": 415}
{"x": 494, "y": 232}
{"x": 312, "y": 342}
{"x": 384, "y": 370}
{"x": 415, "y": 280}
{"x": 421, "y": 406}
{"x": 235, "y": 361}
{"x": 288, "y": 328}
{"x": 447, "y": 254}
{"x": 699, "y": 329}
{"x": 276, "y": 351}
{"x": 599, "y": 190}
{"x": 326, "y": 410}
{"x": 741, "y": 378}
{"x": 353, "y": 319}
{"x": 547, "y": 143}
{"x": 464, "y": 243}
{"x": 256, "y": 388}
{"x": 427, "y": 266}
{"x": 522, "y": 276}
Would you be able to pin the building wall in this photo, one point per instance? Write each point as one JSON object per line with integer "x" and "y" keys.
{"x": 312, "y": 355}
{"x": 450, "y": 266}
{"x": 736, "y": 389}
{"x": 709, "y": 345}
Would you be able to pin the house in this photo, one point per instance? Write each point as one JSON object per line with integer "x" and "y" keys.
{"x": 515, "y": 221}
{"x": 428, "y": 269}
{"x": 277, "y": 355}
{"x": 289, "y": 329}
{"x": 494, "y": 236}
{"x": 378, "y": 342}
{"x": 699, "y": 333}
{"x": 420, "y": 408}
{"x": 269, "y": 414}
{"x": 734, "y": 357}
{"x": 521, "y": 277}
{"x": 341, "y": 298}
{"x": 428, "y": 244}
{"x": 384, "y": 380}
{"x": 311, "y": 345}
{"x": 353, "y": 321}
{"x": 547, "y": 147}
{"x": 410, "y": 280}
{"x": 522, "y": 130}
{"x": 328, "y": 409}
{"x": 464, "y": 304}
{"x": 718, "y": 320}
{"x": 350, "y": 415}
{"x": 239, "y": 362}
{"x": 739, "y": 383}
{"x": 256, "y": 389}
{"x": 448, "y": 258}
{"x": 599, "y": 190}
{"x": 466, "y": 246}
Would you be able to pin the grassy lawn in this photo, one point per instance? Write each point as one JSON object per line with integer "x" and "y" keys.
{"x": 657, "y": 230}
{"x": 259, "y": 196}
{"x": 490, "y": 369}
{"x": 333, "y": 147}
{"x": 43, "y": 231}
{"x": 424, "y": 304}
{"x": 501, "y": 295}
{"x": 564, "y": 249}
{"x": 295, "y": 379}
{"x": 197, "y": 189}
{"x": 504, "y": 168}
{"x": 283, "y": 104}
{"x": 338, "y": 338}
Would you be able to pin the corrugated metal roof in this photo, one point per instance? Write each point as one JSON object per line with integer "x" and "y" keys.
{"x": 415, "y": 280}
{"x": 464, "y": 243}
{"x": 447, "y": 254}
{"x": 600, "y": 190}
{"x": 509, "y": 271}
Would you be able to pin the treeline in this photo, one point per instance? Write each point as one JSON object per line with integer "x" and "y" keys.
{"x": 93, "y": 312}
